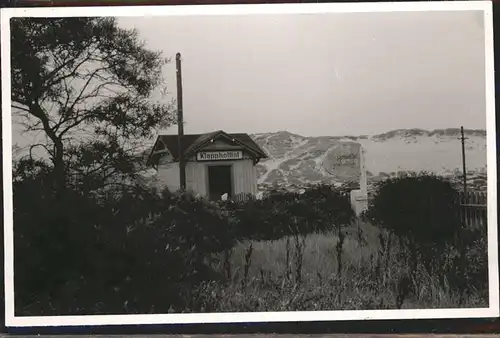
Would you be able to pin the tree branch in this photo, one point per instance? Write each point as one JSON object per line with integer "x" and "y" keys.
{"x": 37, "y": 145}
{"x": 19, "y": 107}
{"x": 54, "y": 72}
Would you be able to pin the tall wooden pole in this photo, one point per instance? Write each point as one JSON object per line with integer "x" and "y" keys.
{"x": 464, "y": 216}
{"x": 180, "y": 123}
{"x": 464, "y": 168}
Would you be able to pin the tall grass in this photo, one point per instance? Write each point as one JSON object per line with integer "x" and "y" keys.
{"x": 372, "y": 277}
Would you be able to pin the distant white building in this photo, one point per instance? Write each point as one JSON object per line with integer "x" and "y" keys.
{"x": 217, "y": 163}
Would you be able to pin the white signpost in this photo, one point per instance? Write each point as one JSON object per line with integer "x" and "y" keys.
{"x": 359, "y": 197}
{"x": 219, "y": 155}
{"x": 345, "y": 163}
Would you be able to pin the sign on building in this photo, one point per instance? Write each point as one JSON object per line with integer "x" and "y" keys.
{"x": 219, "y": 155}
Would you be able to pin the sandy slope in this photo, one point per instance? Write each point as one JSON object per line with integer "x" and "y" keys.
{"x": 296, "y": 160}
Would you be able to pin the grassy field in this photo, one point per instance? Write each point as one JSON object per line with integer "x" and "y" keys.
{"x": 370, "y": 278}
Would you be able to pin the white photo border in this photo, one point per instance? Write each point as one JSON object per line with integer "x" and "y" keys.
{"x": 298, "y": 316}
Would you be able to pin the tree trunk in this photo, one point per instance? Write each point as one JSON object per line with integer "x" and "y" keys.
{"x": 59, "y": 167}
{"x": 58, "y": 154}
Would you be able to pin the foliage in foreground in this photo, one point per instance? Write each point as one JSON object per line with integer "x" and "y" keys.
{"x": 319, "y": 209}
{"x": 366, "y": 267}
{"x": 422, "y": 208}
{"x": 130, "y": 250}
{"x": 371, "y": 278}
{"x": 142, "y": 252}
{"x": 422, "y": 212}
{"x": 121, "y": 252}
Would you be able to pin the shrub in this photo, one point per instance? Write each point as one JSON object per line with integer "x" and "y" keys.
{"x": 327, "y": 207}
{"x": 166, "y": 251}
{"x": 319, "y": 208}
{"x": 423, "y": 211}
{"x": 127, "y": 250}
{"x": 421, "y": 208}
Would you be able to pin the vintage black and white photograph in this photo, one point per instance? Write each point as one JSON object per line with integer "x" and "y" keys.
{"x": 231, "y": 164}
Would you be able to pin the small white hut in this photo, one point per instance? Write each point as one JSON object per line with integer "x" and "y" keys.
{"x": 216, "y": 163}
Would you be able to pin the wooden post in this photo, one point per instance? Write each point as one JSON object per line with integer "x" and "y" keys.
{"x": 180, "y": 123}
{"x": 464, "y": 168}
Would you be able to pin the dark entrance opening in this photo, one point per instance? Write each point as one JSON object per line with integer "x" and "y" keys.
{"x": 219, "y": 181}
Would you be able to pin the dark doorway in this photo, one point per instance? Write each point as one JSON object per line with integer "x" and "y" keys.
{"x": 219, "y": 181}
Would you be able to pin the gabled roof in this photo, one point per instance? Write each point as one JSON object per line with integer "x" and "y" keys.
{"x": 202, "y": 140}
{"x": 193, "y": 142}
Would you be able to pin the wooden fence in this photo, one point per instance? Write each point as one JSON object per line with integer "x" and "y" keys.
{"x": 242, "y": 197}
{"x": 474, "y": 209}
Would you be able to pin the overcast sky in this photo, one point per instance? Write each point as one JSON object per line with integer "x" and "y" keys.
{"x": 325, "y": 74}
{"x": 322, "y": 74}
